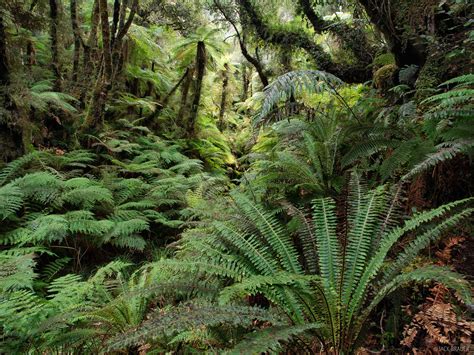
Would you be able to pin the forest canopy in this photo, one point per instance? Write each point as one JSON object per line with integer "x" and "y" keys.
{"x": 236, "y": 176}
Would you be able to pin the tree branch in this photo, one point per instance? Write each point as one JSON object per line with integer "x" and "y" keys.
{"x": 252, "y": 60}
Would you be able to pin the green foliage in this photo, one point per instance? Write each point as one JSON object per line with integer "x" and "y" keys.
{"x": 305, "y": 162}
{"x": 293, "y": 84}
{"x": 258, "y": 252}
{"x": 180, "y": 222}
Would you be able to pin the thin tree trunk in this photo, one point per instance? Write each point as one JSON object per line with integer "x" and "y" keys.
{"x": 106, "y": 45}
{"x": 89, "y": 50}
{"x": 200, "y": 71}
{"x": 245, "y": 84}
{"x": 95, "y": 115}
{"x": 123, "y": 27}
{"x": 225, "y": 84}
{"x": 243, "y": 48}
{"x": 116, "y": 17}
{"x": 4, "y": 67}
{"x": 55, "y": 61}
{"x": 184, "y": 92}
{"x": 164, "y": 103}
{"x": 30, "y": 54}
{"x": 77, "y": 40}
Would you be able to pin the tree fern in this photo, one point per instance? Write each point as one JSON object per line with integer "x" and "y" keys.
{"x": 294, "y": 84}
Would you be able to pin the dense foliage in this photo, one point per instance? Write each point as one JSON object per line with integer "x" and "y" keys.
{"x": 236, "y": 176}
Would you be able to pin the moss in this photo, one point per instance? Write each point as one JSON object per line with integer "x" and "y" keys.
{"x": 431, "y": 75}
{"x": 382, "y": 60}
{"x": 414, "y": 17}
{"x": 384, "y": 78}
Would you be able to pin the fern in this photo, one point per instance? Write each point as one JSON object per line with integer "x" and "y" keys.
{"x": 244, "y": 248}
{"x": 294, "y": 84}
{"x": 270, "y": 339}
{"x": 16, "y": 272}
{"x": 189, "y": 316}
{"x": 11, "y": 200}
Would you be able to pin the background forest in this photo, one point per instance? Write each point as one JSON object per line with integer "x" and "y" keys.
{"x": 236, "y": 176}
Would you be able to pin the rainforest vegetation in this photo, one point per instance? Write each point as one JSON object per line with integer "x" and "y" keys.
{"x": 236, "y": 176}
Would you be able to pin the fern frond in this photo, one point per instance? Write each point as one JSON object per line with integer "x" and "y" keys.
{"x": 294, "y": 84}
{"x": 329, "y": 253}
{"x": 272, "y": 231}
{"x": 189, "y": 316}
{"x": 271, "y": 339}
{"x": 14, "y": 168}
{"x": 11, "y": 200}
{"x": 16, "y": 272}
{"x": 445, "y": 151}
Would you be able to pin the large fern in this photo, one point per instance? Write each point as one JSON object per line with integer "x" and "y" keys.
{"x": 248, "y": 247}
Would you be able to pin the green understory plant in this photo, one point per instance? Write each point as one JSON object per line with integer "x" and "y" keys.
{"x": 332, "y": 273}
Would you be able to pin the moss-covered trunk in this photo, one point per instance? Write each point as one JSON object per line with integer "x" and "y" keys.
{"x": 200, "y": 70}
{"x": 225, "y": 85}
{"x": 54, "y": 8}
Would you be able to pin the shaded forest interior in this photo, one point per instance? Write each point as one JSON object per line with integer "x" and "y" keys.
{"x": 236, "y": 176}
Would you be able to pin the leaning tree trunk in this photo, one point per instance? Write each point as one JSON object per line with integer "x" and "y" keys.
{"x": 200, "y": 70}
{"x": 55, "y": 61}
{"x": 188, "y": 77}
{"x": 225, "y": 84}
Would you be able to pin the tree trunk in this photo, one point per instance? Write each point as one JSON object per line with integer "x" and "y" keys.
{"x": 30, "y": 54}
{"x": 106, "y": 45}
{"x": 95, "y": 116}
{"x": 4, "y": 67}
{"x": 77, "y": 40}
{"x": 225, "y": 84}
{"x": 55, "y": 61}
{"x": 89, "y": 50}
{"x": 406, "y": 49}
{"x": 116, "y": 17}
{"x": 185, "y": 92}
{"x": 245, "y": 84}
{"x": 243, "y": 48}
{"x": 200, "y": 70}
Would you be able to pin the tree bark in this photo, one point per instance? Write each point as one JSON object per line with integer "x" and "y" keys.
{"x": 106, "y": 45}
{"x": 298, "y": 39}
{"x": 353, "y": 39}
{"x": 243, "y": 48}
{"x": 404, "y": 48}
{"x": 4, "y": 66}
{"x": 30, "y": 54}
{"x": 89, "y": 50}
{"x": 95, "y": 116}
{"x": 116, "y": 16}
{"x": 55, "y": 60}
{"x": 225, "y": 84}
{"x": 245, "y": 83}
{"x": 77, "y": 40}
{"x": 200, "y": 71}
{"x": 185, "y": 92}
